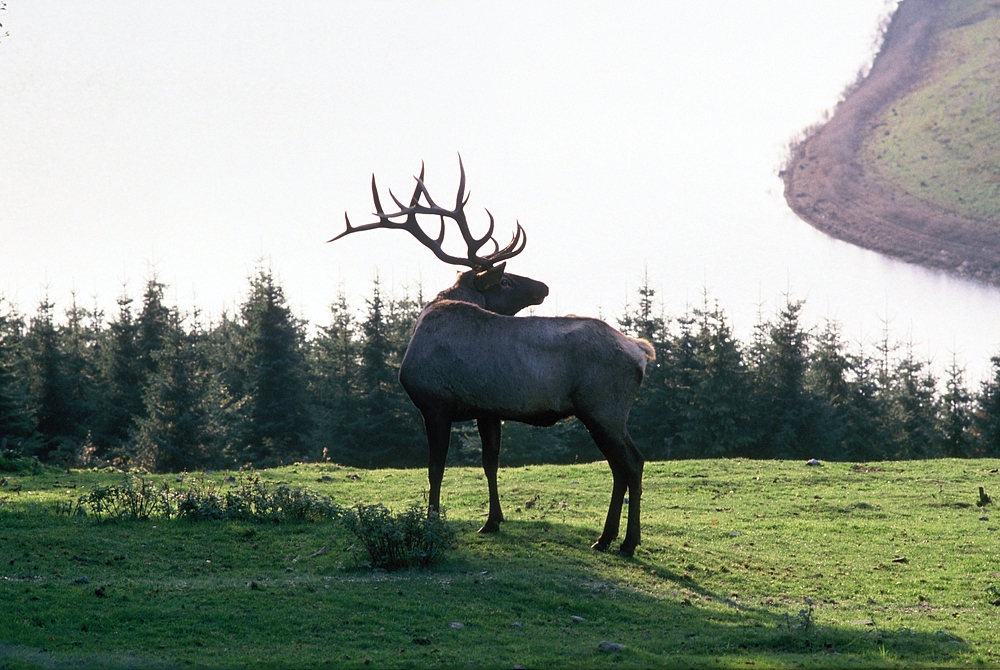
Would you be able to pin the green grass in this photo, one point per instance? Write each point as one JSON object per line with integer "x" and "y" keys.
{"x": 941, "y": 142}
{"x": 772, "y": 564}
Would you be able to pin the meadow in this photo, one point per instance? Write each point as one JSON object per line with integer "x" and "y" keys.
{"x": 743, "y": 563}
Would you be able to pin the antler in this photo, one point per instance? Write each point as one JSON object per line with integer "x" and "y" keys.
{"x": 473, "y": 245}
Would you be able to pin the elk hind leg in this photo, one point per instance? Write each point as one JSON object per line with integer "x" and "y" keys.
{"x": 626, "y": 467}
{"x": 634, "y": 461}
{"x": 613, "y": 519}
{"x": 489, "y": 432}
{"x": 438, "y": 440}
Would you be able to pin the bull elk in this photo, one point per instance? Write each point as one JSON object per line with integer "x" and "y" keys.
{"x": 470, "y": 358}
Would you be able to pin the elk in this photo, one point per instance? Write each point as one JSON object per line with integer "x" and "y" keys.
{"x": 469, "y": 358}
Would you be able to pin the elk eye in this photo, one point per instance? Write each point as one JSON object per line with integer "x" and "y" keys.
{"x": 504, "y": 282}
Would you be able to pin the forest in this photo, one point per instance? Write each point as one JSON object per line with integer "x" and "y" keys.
{"x": 150, "y": 387}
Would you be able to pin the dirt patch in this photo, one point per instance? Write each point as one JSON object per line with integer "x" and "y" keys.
{"x": 865, "y": 469}
{"x": 826, "y": 183}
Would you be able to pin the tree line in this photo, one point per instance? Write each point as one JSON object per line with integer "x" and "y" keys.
{"x": 155, "y": 388}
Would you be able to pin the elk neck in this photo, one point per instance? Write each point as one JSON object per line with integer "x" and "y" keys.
{"x": 508, "y": 296}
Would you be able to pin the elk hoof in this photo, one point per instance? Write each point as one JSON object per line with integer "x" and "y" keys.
{"x": 490, "y": 527}
{"x": 626, "y": 550}
{"x": 600, "y": 546}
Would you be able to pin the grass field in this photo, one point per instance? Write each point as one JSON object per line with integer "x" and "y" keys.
{"x": 941, "y": 142}
{"x": 743, "y": 563}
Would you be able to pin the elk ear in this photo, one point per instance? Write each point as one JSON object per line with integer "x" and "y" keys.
{"x": 489, "y": 277}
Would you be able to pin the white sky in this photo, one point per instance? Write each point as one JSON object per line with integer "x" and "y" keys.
{"x": 197, "y": 138}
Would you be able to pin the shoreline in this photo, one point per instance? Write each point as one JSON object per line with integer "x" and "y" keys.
{"x": 828, "y": 186}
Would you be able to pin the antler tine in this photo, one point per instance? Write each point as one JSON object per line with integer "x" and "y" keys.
{"x": 516, "y": 246}
{"x": 489, "y": 233}
{"x": 440, "y": 238}
{"x": 420, "y": 188}
{"x": 346, "y": 232}
{"x": 459, "y": 200}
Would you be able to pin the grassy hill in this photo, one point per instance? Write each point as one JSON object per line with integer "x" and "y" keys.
{"x": 909, "y": 163}
{"x": 941, "y": 141}
{"x": 743, "y": 563}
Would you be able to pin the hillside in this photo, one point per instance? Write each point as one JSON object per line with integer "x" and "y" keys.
{"x": 909, "y": 163}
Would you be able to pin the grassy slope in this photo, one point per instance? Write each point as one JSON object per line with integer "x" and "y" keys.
{"x": 733, "y": 554}
{"x": 941, "y": 142}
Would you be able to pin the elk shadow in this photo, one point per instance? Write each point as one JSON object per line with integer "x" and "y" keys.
{"x": 654, "y": 610}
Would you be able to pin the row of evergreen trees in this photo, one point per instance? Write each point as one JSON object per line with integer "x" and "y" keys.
{"x": 155, "y": 388}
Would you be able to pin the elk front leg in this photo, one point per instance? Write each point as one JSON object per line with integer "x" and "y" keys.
{"x": 489, "y": 432}
{"x": 438, "y": 440}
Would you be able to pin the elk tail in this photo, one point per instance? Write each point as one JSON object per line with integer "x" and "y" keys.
{"x": 647, "y": 348}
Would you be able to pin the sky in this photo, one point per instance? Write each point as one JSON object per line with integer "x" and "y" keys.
{"x": 199, "y": 141}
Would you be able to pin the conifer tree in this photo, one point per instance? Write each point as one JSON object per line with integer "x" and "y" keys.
{"x": 334, "y": 365}
{"x": 716, "y": 420}
{"x": 785, "y": 410}
{"x": 987, "y": 414}
{"x": 173, "y": 432}
{"x": 913, "y": 405}
{"x": 56, "y": 415}
{"x": 848, "y": 424}
{"x": 220, "y": 350}
{"x": 15, "y": 423}
{"x": 79, "y": 338}
{"x": 392, "y": 431}
{"x": 956, "y": 413}
{"x": 653, "y": 417}
{"x": 275, "y": 401}
{"x": 122, "y": 379}
{"x": 153, "y": 324}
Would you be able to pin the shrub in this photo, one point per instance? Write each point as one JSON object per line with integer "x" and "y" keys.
{"x": 11, "y": 461}
{"x": 248, "y": 499}
{"x": 409, "y": 539}
{"x": 252, "y": 499}
{"x": 135, "y": 499}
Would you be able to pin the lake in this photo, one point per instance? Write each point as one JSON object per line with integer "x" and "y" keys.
{"x": 194, "y": 142}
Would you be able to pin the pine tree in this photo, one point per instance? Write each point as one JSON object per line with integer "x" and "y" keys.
{"x": 80, "y": 349}
{"x": 334, "y": 365}
{"x": 987, "y": 414}
{"x": 913, "y": 407}
{"x": 716, "y": 420}
{"x": 15, "y": 423}
{"x": 120, "y": 403}
{"x": 956, "y": 414}
{"x": 220, "y": 349}
{"x": 653, "y": 421}
{"x": 154, "y": 324}
{"x": 173, "y": 433}
{"x": 56, "y": 415}
{"x": 785, "y": 410}
{"x": 392, "y": 431}
{"x": 274, "y": 361}
{"x": 845, "y": 389}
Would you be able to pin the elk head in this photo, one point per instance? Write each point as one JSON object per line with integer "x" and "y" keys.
{"x": 485, "y": 283}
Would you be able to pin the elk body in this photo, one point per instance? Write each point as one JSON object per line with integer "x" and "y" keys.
{"x": 470, "y": 358}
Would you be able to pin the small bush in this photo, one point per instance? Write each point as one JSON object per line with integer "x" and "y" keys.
{"x": 409, "y": 539}
{"x": 11, "y": 461}
{"x": 135, "y": 499}
{"x": 247, "y": 499}
{"x": 252, "y": 499}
